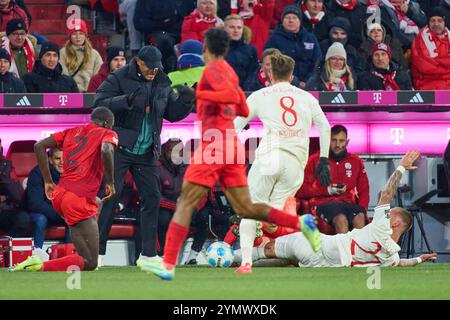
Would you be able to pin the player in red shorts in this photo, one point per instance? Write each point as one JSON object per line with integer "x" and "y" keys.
{"x": 88, "y": 152}
{"x": 219, "y": 101}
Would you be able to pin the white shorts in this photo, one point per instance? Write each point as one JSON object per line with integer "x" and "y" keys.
{"x": 296, "y": 247}
{"x": 275, "y": 177}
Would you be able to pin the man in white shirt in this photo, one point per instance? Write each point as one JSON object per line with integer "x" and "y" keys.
{"x": 373, "y": 245}
{"x": 287, "y": 114}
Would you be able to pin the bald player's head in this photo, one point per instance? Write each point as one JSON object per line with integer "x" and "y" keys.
{"x": 103, "y": 117}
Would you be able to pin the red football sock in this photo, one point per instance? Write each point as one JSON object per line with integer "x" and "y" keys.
{"x": 175, "y": 237}
{"x": 282, "y": 218}
{"x": 63, "y": 263}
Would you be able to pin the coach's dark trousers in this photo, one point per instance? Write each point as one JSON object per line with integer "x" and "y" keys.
{"x": 145, "y": 174}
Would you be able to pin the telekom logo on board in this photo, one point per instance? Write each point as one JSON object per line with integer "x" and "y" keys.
{"x": 397, "y": 135}
{"x": 63, "y": 100}
{"x": 377, "y": 97}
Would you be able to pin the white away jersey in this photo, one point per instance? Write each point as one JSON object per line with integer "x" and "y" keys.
{"x": 287, "y": 113}
{"x": 371, "y": 245}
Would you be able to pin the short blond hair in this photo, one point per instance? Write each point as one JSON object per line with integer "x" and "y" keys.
{"x": 281, "y": 67}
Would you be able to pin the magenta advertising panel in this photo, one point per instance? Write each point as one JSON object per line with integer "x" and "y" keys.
{"x": 395, "y": 138}
{"x": 57, "y": 100}
{"x": 377, "y": 97}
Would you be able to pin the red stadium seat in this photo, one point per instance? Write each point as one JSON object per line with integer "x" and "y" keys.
{"x": 118, "y": 231}
{"x": 21, "y": 153}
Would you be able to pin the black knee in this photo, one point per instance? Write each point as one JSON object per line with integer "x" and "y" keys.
{"x": 340, "y": 219}
{"x": 90, "y": 264}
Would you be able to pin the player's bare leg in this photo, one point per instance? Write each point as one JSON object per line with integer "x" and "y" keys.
{"x": 240, "y": 200}
{"x": 340, "y": 223}
{"x": 191, "y": 195}
{"x": 359, "y": 221}
{"x": 85, "y": 239}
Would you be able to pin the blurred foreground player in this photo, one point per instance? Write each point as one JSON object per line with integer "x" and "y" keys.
{"x": 287, "y": 114}
{"x": 373, "y": 245}
{"x": 88, "y": 151}
{"x": 219, "y": 101}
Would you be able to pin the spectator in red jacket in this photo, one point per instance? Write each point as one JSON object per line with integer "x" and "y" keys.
{"x": 115, "y": 59}
{"x": 10, "y": 10}
{"x": 344, "y": 203}
{"x": 201, "y": 19}
{"x": 257, "y": 15}
{"x": 431, "y": 54}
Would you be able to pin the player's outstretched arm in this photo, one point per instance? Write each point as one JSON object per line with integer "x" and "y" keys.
{"x": 418, "y": 260}
{"x": 108, "y": 168}
{"x": 406, "y": 163}
{"x": 40, "y": 149}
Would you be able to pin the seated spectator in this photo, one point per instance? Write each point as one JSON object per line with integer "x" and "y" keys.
{"x": 354, "y": 12}
{"x": 344, "y": 203}
{"x": 13, "y": 219}
{"x": 260, "y": 79}
{"x": 431, "y": 54}
{"x": 21, "y": 47}
{"x": 340, "y": 31}
{"x": 445, "y": 7}
{"x": 10, "y": 10}
{"x": 376, "y": 33}
{"x": 241, "y": 55}
{"x": 295, "y": 41}
{"x": 200, "y": 20}
{"x": 8, "y": 82}
{"x": 115, "y": 59}
{"x": 78, "y": 58}
{"x": 279, "y": 7}
{"x": 190, "y": 65}
{"x": 335, "y": 74}
{"x": 40, "y": 208}
{"x": 404, "y": 18}
{"x": 315, "y": 18}
{"x": 127, "y": 10}
{"x": 257, "y": 15}
{"x": 47, "y": 76}
{"x": 382, "y": 73}
{"x": 161, "y": 21}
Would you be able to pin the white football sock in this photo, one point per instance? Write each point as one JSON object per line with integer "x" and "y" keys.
{"x": 247, "y": 234}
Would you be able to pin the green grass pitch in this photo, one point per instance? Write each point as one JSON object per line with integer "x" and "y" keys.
{"x": 427, "y": 281}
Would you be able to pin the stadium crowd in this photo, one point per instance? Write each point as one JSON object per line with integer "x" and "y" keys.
{"x": 337, "y": 45}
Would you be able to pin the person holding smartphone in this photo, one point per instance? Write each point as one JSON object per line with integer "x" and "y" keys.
{"x": 344, "y": 202}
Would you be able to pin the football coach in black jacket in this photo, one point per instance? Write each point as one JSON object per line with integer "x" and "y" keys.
{"x": 140, "y": 96}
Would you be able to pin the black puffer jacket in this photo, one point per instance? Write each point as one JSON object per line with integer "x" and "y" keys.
{"x": 369, "y": 81}
{"x": 158, "y": 94}
{"x": 357, "y": 17}
{"x": 11, "y": 84}
{"x": 244, "y": 60}
{"x": 156, "y": 15}
{"x": 45, "y": 80}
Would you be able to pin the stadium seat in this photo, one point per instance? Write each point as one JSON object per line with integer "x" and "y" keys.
{"x": 118, "y": 231}
{"x": 21, "y": 154}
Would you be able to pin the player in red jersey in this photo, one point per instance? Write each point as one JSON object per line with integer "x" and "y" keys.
{"x": 219, "y": 101}
{"x": 88, "y": 152}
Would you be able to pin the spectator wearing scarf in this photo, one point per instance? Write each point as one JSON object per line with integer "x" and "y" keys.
{"x": 21, "y": 47}
{"x": 404, "y": 18}
{"x": 201, "y": 19}
{"x": 355, "y": 12}
{"x": 315, "y": 18}
{"x": 431, "y": 54}
{"x": 382, "y": 73}
{"x": 335, "y": 74}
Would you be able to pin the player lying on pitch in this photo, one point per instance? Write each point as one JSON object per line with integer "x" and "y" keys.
{"x": 219, "y": 101}
{"x": 87, "y": 151}
{"x": 373, "y": 245}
